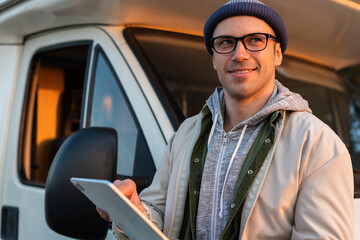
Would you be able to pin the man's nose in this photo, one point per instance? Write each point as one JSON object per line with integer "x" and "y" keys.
{"x": 240, "y": 53}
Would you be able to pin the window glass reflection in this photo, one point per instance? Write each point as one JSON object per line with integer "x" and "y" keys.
{"x": 110, "y": 109}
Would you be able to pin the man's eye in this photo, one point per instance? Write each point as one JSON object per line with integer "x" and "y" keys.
{"x": 255, "y": 40}
{"x": 226, "y": 42}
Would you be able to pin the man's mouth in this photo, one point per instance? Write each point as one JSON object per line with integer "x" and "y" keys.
{"x": 241, "y": 71}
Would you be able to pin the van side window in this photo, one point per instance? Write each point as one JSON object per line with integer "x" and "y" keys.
{"x": 354, "y": 120}
{"x": 350, "y": 107}
{"x": 110, "y": 108}
{"x": 52, "y": 107}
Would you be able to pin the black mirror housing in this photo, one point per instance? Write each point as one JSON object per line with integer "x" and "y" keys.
{"x": 88, "y": 153}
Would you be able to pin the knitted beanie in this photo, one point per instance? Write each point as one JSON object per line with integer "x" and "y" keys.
{"x": 246, "y": 8}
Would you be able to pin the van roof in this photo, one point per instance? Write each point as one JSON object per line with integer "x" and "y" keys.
{"x": 323, "y": 31}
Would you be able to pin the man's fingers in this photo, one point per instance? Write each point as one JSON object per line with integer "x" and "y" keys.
{"x": 128, "y": 188}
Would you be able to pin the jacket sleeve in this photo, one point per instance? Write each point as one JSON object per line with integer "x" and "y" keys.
{"x": 324, "y": 206}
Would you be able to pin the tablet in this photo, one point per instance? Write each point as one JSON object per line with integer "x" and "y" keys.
{"x": 121, "y": 211}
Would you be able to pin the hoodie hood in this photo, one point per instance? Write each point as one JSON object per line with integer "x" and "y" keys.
{"x": 281, "y": 99}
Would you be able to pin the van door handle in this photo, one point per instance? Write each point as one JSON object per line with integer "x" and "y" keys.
{"x": 9, "y": 223}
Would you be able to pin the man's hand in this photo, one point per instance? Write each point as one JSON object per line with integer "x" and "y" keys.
{"x": 128, "y": 188}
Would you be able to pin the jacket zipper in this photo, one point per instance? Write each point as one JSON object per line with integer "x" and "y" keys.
{"x": 215, "y": 194}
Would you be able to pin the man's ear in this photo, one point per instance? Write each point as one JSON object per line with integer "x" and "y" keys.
{"x": 278, "y": 55}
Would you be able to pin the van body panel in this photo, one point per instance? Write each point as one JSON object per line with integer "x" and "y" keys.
{"x": 9, "y": 72}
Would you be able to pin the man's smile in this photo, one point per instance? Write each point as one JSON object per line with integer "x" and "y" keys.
{"x": 241, "y": 71}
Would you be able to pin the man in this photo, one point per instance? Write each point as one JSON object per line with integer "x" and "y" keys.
{"x": 255, "y": 163}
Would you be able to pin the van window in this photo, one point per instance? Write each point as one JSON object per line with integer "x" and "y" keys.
{"x": 110, "y": 108}
{"x": 353, "y": 121}
{"x": 52, "y": 107}
{"x": 318, "y": 97}
{"x": 350, "y": 106}
{"x": 179, "y": 67}
{"x": 181, "y": 71}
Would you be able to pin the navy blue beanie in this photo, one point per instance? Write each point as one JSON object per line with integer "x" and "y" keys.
{"x": 246, "y": 8}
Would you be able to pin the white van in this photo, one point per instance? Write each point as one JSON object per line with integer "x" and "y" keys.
{"x": 115, "y": 78}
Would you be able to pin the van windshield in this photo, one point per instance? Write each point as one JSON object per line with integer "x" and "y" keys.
{"x": 182, "y": 74}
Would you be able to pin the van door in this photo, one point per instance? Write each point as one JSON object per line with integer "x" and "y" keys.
{"x": 70, "y": 79}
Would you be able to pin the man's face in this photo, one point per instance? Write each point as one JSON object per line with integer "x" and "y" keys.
{"x": 246, "y": 75}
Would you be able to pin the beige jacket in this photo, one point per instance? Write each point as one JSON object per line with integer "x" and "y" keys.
{"x": 304, "y": 189}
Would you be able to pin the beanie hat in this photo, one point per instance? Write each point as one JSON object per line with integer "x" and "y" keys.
{"x": 246, "y": 8}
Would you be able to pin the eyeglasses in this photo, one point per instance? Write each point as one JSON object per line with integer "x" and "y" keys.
{"x": 253, "y": 42}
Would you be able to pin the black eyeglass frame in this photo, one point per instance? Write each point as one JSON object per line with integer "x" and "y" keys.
{"x": 237, "y": 39}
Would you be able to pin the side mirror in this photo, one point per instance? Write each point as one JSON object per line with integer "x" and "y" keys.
{"x": 88, "y": 153}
